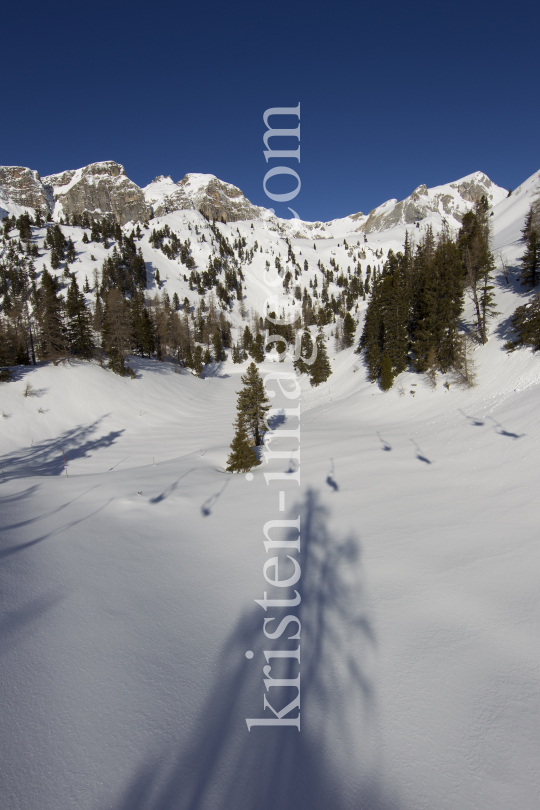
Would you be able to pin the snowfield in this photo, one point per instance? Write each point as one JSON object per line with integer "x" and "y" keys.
{"x": 128, "y": 585}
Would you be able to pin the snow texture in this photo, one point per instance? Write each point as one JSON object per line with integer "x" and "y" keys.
{"x": 128, "y": 586}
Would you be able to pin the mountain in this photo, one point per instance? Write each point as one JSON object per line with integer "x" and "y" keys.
{"x": 202, "y": 192}
{"x": 22, "y": 189}
{"x": 100, "y": 188}
{"x": 103, "y": 190}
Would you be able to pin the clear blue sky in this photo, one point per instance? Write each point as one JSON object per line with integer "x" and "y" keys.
{"x": 392, "y": 94}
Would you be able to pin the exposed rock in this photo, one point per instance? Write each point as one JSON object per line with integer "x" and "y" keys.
{"x": 22, "y": 187}
{"x": 452, "y": 200}
{"x": 205, "y": 193}
{"x": 100, "y": 189}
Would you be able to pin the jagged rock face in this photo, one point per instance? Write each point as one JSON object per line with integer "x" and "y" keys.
{"x": 452, "y": 200}
{"x": 205, "y": 193}
{"x": 101, "y": 190}
{"x": 23, "y": 187}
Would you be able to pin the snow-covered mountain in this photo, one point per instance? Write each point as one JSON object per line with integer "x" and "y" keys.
{"x": 100, "y": 189}
{"x": 104, "y": 190}
{"x": 205, "y": 193}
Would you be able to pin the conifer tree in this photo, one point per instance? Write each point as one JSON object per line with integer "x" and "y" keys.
{"x": 321, "y": 368}
{"x": 306, "y": 353}
{"x": 79, "y": 334}
{"x": 197, "y": 360}
{"x": 530, "y": 261}
{"x": 243, "y": 455}
{"x": 117, "y": 331}
{"x": 349, "y": 331}
{"x": 253, "y": 404}
{"x": 387, "y": 374}
{"x": 478, "y": 263}
{"x": 256, "y": 349}
{"x": 142, "y": 326}
{"x": 219, "y": 351}
{"x": 50, "y": 318}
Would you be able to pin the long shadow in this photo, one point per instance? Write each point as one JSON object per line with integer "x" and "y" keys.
{"x": 46, "y": 457}
{"x": 474, "y": 420}
{"x": 503, "y": 432}
{"x": 9, "y": 550}
{"x": 419, "y": 454}
{"x": 385, "y": 445}
{"x": 170, "y": 489}
{"x": 330, "y": 480}
{"x": 331, "y": 764}
{"x": 208, "y": 505}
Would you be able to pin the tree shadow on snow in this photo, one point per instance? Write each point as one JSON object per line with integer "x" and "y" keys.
{"x": 6, "y": 551}
{"x": 46, "y": 458}
{"x": 332, "y": 763}
{"x": 419, "y": 454}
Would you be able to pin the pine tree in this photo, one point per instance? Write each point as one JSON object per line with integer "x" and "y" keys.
{"x": 50, "y": 318}
{"x": 207, "y": 357}
{"x": 117, "y": 331}
{"x": 387, "y": 374}
{"x": 219, "y": 351}
{"x": 321, "y": 368}
{"x": 256, "y": 349}
{"x": 79, "y": 334}
{"x": 243, "y": 455}
{"x": 253, "y": 404}
{"x": 349, "y": 330}
{"x": 478, "y": 263}
{"x": 526, "y": 324}
{"x": 530, "y": 261}
{"x": 197, "y": 361}
{"x": 306, "y": 353}
{"x": 142, "y": 326}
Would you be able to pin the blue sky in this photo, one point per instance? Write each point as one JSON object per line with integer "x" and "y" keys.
{"x": 392, "y": 95}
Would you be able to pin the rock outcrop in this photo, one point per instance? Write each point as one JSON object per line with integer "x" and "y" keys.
{"x": 22, "y": 188}
{"x": 202, "y": 192}
{"x": 100, "y": 190}
{"x": 449, "y": 201}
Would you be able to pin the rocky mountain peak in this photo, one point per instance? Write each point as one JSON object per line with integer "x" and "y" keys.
{"x": 202, "y": 192}
{"x": 21, "y": 188}
{"x": 101, "y": 189}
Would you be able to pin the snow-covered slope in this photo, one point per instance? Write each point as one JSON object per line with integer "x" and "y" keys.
{"x": 128, "y": 586}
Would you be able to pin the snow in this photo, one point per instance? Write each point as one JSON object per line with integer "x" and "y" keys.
{"x": 128, "y": 587}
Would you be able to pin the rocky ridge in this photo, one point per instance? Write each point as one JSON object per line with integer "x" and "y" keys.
{"x": 204, "y": 192}
{"x": 103, "y": 190}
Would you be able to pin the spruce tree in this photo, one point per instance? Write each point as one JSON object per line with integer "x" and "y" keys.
{"x": 387, "y": 374}
{"x": 50, "y": 318}
{"x": 530, "y": 261}
{"x": 349, "y": 331}
{"x": 253, "y": 404}
{"x": 243, "y": 455}
{"x": 306, "y": 353}
{"x": 478, "y": 263}
{"x": 79, "y": 333}
{"x": 197, "y": 361}
{"x": 117, "y": 331}
{"x": 256, "y": 349}
{"x": 321, "y": 368}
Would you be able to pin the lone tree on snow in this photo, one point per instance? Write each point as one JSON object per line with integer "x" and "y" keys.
{"x": 243, "y": 456}
{"x": 253, "y": 403}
